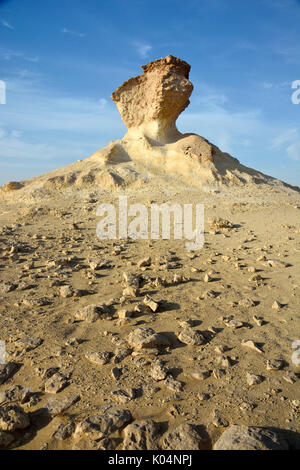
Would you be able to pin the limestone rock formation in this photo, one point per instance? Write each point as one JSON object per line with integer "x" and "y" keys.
{"x": 150, "y": 104}
{"x": 152, "y": 148}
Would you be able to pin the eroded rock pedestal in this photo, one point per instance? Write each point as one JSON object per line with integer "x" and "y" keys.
{"x": 149, "y": 105}
{"x": 152, "y": 150}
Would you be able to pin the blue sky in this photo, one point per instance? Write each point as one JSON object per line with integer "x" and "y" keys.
{"x": 61, "y": 60}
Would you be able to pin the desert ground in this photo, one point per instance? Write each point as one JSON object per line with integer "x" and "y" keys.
{"x": 142, "y": 344}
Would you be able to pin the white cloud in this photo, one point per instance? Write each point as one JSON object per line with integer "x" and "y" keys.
{"x": 290, "y": 53}
{"x": 74, "y": 33}
{"x": 43, "y": 125}
{"x": 293, "y": 151}
{"x": 6, "y": 24}
{"x": 102, "y": 102}
{"x": 207, "y": 96}
{"x": 142, "y": 49}
{"x": 6, "y": 54}
{"x": 227, "y": 129}
{"x": 284, "y": 137}
{"x": 268, "y": 85}
{"x": 13, "y": 146}
{"x": 289, "y": 142}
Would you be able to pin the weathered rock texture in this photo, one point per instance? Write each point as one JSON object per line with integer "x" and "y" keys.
{"x": 251, "y": 438}
{"x": 150, "y": 104}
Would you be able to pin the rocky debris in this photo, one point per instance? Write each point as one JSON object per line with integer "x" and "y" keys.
{"x": 7, "y": 370}
{"x": 275, "y": 364}
{"x": 99, "y": 358}
{"x": 251, "y": 345}
{"x": 160, "y": 282}
{"x": 218, "y": 373}
{"x": 73, "y": 341}
{"x": 47, "y": 373}
{"x": 130, "y": 291}
{"x": 144, "y": 262}
{"x": 207, "y": 278}
{"x": 247, "y": 303}
{"x": 123, "y": 396}
{"x": 143, "y": 435}
{"x": 186, "y": 323}
{"x": 191, "y": 337}
{"x": 116, "y": 373}
{"x": 94, "y": 265}
{"x": 255, "y": 278}
{"x": 91, "y": 313}
{"x": 253, "y": 379}
{"x": 55, "y": 383}
{"x": 200, "y": 374}
{"x": 108, "y": 443}
{"x": 139, "y": 355}
{"x": 251, "y": 438}
{"x": 39, "y": 302}
{"x": 120, "y": 354}
{"x": 64, "y": 431}
{"x": 172, "y": 384}
{"x": 16, "y": 393}
{"x": 184, "y": 437}
{"x": 221, "y": 348}
{"x": 132, "y": 281}
{"x": 66, "y": 291}
{"x": 218, "y": 224}
{"x": 86, "y": 444}
{"x": 258, "y": 320}
{"x": 125, "y": 313}
{"x": 101, "y": 425}
{"x": 28, "y": 343}
{"x": 209, "y": 294}
{"x": 151, "y": 303}
{"x": 158, "y": 371}
{"x": 231, "y": 323}
{"x": 290, "y": 377}
{"x": 203, "y": 396}
{"x": 276, "y": 263}
{"x": 251, "y": 269}
{"x": 5, "y": 439}
{"x": 6, "y": 287}
{"x": 246, "y": 407}
{"x": 179, "y": 279}
{"x": 276, "y": 305}
{"x": 145, "y": 337}
{"x": 218, "y": 420}
{"x": 224, "y": 361}
{"x": 55, "y": 406}
{"x": 13, "y": 417}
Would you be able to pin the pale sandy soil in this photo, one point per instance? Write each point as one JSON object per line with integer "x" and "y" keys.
{"x": 266, "y": 226}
